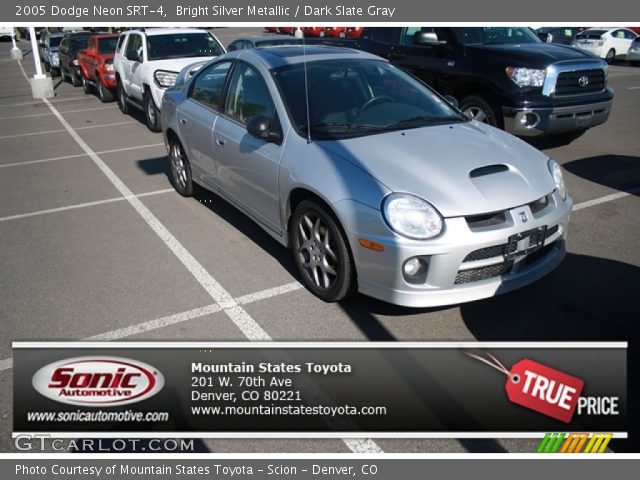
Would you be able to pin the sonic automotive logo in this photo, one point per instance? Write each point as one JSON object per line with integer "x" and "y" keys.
{"x": 98, "y": 381}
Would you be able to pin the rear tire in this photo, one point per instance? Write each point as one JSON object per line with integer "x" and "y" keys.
{"x": 151, "y": 113}
{"x": 483, "y": 108}
{"x": 611, "y": 56}
{"x": 180, "y": 169}
{"x": 123, "y": 102}
{"x": 75, "y": 81}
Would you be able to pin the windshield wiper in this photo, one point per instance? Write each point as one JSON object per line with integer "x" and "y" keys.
{"x": 421, "y": 120}
{"x": 345, "y": 125}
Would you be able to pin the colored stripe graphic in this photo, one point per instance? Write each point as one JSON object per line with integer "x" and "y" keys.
{"x": 574, "y": 442}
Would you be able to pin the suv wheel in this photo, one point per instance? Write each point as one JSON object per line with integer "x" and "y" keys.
{"x": 482, "y": 108}
{"x": 123, "y": 102}
{"x": 151, "y": 112}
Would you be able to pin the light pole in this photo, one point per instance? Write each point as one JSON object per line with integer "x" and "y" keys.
{"x": 41, "y": 85}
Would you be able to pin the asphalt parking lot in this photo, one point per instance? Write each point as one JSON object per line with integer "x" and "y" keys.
{"x": 95, "y": 244}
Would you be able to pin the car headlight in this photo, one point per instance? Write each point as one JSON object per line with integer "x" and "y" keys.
{"x": 558, "y": 178}
{"x": 526, "y": 77}
{"x": 411, "y": 216}
{"x": 165, "y": 79}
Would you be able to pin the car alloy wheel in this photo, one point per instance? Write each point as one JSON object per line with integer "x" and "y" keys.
{"x": 611, "y": 55}
{"x": 321, "y": 253}
{"x": 104, "y": 93}
{"x": 481, "y": 108}
{"x": 180, "y": 169}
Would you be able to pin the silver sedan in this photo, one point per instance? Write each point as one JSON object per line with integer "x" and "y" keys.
{"x": 375, "y": 182}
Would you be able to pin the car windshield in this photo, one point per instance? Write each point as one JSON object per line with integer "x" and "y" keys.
{"x": 178, "y": 45}
{"x": 349, "y": 98}
{"x": 54, "y": 41}
{"x": 78, "y": 43}
{"x": 495, "y": 35}
{"x": 107, "y": 45}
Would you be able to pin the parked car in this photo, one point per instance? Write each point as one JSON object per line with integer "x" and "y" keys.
{"x": 375, "y": 182}
{"x": 610, "y": 44}
{"x": 633, "y": 55}
{"x": 560, "y": 35}
{"x": 6, "y": 32}
{"x": 259, "y": 41}
{"x": 96, "y": 66}
{"x": 71, "y": 43}
{"x": 504, "y": 76}
{"x": 336, "y": 32}
{"x": 50, "y": 56}
{"x": 147, "y": 62}
{"x": 353, "y": 32}
{"x": 24, "y": 32}
{"x": 313, "y": 31}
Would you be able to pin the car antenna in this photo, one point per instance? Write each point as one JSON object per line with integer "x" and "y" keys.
{"x": 306, "y": 89}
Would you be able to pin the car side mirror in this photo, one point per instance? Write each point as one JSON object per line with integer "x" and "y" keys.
{"x": 134, "y": 56}
{"x": 260, "y": 126}
{"x": 427, "y": 38}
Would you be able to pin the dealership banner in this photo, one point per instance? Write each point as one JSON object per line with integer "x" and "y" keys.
{"x": 327, "y": 390}
{"x": 43, "y": 12}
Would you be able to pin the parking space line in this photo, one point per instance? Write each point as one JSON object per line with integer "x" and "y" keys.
{"x": 605, "y": 199}
{"x": 634, "y": 88}
{"x": 78, "y": 155}
{"x": 81, "y": 205}
{"x": 32, "y": 115}
{"x": 36, "y": 102}
{"x": 86, "y": 127}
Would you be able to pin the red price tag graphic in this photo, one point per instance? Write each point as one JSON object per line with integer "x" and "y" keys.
{"x": 538, "y": 387}
{"x": 544, "y": 389}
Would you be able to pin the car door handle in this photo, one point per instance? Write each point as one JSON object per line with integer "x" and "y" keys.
{"x": 183, "y": 120}
{"x": 221, "y": 142}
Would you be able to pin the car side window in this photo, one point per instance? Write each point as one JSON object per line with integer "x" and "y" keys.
{"x": 248, "y": 95}
{"x": 382, "y": 35}
{"x": 134, "y": 44}
{"x": 629, "y": 35}
{"x": 208, "y": 85}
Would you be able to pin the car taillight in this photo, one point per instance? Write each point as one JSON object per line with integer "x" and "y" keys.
{"x": 75, "y": 62}
{"x": 108, "y": 67}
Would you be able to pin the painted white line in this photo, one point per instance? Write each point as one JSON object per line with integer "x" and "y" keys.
{"x": 78, "y": 155}
{"x": 156, "y": 324}
{"x": 634, "y": 88}
{"x": 47, "y": 114}
{"x": 80, "y": 205}
{"x": 36, "y": 103}
{"x": 47, "y": 132}
{"x": 622, "y": 74}
{"x": 6, "y": 364}
{"x": 605, "y": 199}
{"x": 271, "y": 292}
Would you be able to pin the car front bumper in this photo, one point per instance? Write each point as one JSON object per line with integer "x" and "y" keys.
{"x": 529, "y": 122}
{"x": 633, "y": 56}
{"x": 465, "y": 262}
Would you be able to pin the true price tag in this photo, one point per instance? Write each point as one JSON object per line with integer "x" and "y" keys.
{"x": 539, "y": 387}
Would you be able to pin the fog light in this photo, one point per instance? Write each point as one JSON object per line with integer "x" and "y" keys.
{"x": 414, "y": 269}
{"x": 529, "y": 120}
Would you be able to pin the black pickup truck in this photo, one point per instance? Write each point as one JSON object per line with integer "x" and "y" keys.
{"x": 504, "y": 76}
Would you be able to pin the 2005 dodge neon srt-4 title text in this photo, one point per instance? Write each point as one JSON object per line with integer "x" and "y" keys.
{"x": 203, "y": 11}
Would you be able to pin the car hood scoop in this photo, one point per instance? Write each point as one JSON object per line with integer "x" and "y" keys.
{"x": 461, "y": 169}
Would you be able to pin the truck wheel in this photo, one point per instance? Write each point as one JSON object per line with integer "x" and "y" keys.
{"x": 104, "y": 93}
{"x": 611, "y": 56}
{"x": 483, "y": 109}
{"x": 151, "y": 112}
{"x": 85, "y": 85}
{"x": 123, "y": 102}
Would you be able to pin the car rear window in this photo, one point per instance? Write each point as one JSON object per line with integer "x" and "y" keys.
{"x": 592, "y": 34}
{"x": 107, "y": 45}
{"x": 54, "y": 41}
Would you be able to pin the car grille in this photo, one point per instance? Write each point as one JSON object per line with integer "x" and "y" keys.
{"x": 568, "y": 83}
{"x": 505, "y": 251}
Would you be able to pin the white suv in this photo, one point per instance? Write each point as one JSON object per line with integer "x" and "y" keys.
{"x": 147, "y": 62}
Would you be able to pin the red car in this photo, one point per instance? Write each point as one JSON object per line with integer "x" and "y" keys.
{"x": 313, "y": 31}
{"x": 96, "y": 66}
{"x": 335, "y": 32}
{"x": 353, "y": 32}
{"x": 287, "y": 30}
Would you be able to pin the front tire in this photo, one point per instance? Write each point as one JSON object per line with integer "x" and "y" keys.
{"x": 151, "y": 113}
{"x": 104, "y": 93}
{"x": 75, "y": 81}
{"x": 482, "y": 108}
{"x": 180, "y": 169}
{"x": 321, "y": 253}
{"x": 123, "y": 102}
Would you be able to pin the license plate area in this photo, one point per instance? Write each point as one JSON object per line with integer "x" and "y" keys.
{"x": 527, "y": 242}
